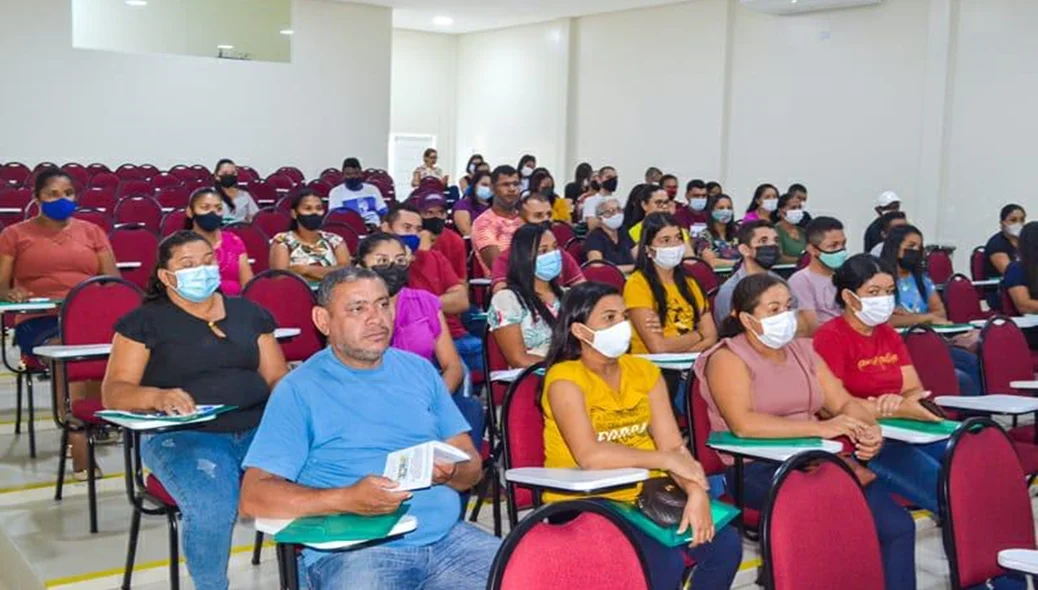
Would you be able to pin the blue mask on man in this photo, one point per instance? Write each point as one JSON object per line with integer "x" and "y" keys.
{"x": 411, "y": 241}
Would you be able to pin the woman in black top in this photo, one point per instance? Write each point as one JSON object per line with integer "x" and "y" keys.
{"x": 610, "y": 241}
{"x": 189, "y": 344}
{"x": 1001, "y": 249}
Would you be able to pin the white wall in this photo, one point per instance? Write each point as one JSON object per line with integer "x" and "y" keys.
{"x": 59, "y": 103}
{"x": 512, "y": 94}
{"x": 424, "y": 87}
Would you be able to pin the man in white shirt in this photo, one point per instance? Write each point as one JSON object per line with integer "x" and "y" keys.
{"x": 607, "y": 178}
{"x": 358, "y": 195}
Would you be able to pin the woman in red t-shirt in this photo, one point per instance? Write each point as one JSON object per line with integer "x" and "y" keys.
{"x": 868, "y": 357}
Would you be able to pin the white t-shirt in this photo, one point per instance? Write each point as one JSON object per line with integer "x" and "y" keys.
{"x": 877, "y": 250}
{"x": 367, "y": 201}
{"x": 244, "y": 207}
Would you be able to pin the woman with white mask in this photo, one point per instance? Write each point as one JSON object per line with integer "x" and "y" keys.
{"x": 606, "y": 409}
{"x": 792, "y": 237}
{"x": 1002, "y": 248}
{"x": 761, "y": 382}
{"x": 660, "y": 291}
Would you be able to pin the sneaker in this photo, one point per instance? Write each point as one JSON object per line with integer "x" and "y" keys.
{"x": 81, "y": 475}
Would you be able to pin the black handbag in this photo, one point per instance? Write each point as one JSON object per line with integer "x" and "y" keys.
{"x": 662, "y": 501}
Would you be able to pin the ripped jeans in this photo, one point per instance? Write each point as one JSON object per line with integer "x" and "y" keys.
{"x": 202, "y": 471}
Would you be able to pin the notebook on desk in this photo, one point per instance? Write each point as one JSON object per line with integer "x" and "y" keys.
{"x": 311, "y": 530}
{"x": 202, "y": 411}
{"x": 946, "y": 427}
{"x": 722, "y": 515}
{"x": 729, "y": 439}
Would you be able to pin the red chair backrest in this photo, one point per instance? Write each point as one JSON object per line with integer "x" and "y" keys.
{"x": 332, "y": 177}
{"x": 135, "y": 244}
{"x": 603, "y": 271}
{"x": 494, "y": 360}
{"x": 183, "y": 173}
{"x": 348, "y": 217}
{"x": 281, "y": 181}
{"x": 15, "y": 198}
{"x": 148, "y": 171}
{"x": 978, "y": 268}
{"x": 699, "y": 427}
{"x": 595, "y": 550}
{"x": 32, "y": 209}
{"x": 247, "y": 174}
{"x": 105, "y": 180}
{"x": 805, "y": 260}
{"x": 14, "y": 173}
{"x": 173, "y": 197}
{"x": 129, "y": 172}
{"x": 939, "y": 266}
{"x": 78, "y": 173}
{"x": 345, "y": 232}
{"x": 97, "y": 198}
{"x": 165, "y": 180}
{"x": 99, "y": 218}
{"x": 818, "y": 530}
{"x": 284, "y": 204}
{"x": 89, "y": 315}
{"x": 202, "y": 173}
{"x": 932, "y": 360}
{"x": 141, "y": 210}
{"x": 961, "y": 300}
{"x": 320, "y": 187}
{"x": 257, "y": 246}
{"x": 271, "y": 222}
{"x": 575, "y": 248}
{"x": 522, "y": 428}
{"x": 985, "y": 507}
{"x": 292, "y": 172}
{"x": 289, "y": 299}
{"x": 703, "y": 274}
{"x": 264, "y": 192}
{"x": 563, "y": 233}
{"x": 1004, "y": 355}
{"x": 172, "y": 222}
{"x": 134, "y": 187}
{"x": 1008, "y": 305}
{"x": 97, "y": 168}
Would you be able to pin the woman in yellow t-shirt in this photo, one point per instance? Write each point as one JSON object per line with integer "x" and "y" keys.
{"x": 605, "y": 409}
{"x": 659, "y": 291}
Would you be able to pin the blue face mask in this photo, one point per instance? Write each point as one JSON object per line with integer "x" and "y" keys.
{"x": 549, "y": 265}
{"x": 722, "y": 215}
{"x": 411, "y": 241}
{"x": 355, "y": 184}
{"x": 483, "y": 193}
{"x": 58, "y": 210}
{"x": 197, "y": 284}
{"x": 833, "y": 260}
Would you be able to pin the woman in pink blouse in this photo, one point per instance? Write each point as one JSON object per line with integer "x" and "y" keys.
{"x": 764, "y": 203}
{"x": 205, "y": 216}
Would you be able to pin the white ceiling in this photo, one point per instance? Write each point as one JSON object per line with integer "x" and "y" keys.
{"x": 481, "y": 15}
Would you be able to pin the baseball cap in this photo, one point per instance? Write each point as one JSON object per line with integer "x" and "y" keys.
{"x": 887, "y": 199}
{"x": 428, "y": 201}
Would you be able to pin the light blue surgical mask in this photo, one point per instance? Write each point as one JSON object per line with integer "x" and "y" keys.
{"x": 549, "y": 265}
{"x": 483, "y": 193}
{"x": 833, "y": 260}
{"x": 197, "y": 284}
{"x": 722, "y": 215}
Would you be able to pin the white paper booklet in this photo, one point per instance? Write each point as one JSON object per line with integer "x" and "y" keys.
{"x": 412, "y": 467}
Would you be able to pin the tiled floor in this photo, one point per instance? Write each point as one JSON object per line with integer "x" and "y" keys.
{"x": 53, "y": 544}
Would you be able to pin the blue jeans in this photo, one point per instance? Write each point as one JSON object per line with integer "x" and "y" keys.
{"x": 717, "y": 562}
{"x": 202, "y": 471}
{"x": 893, "y": 523}
{"x": 911, "y": 471}
{"x": 472, "y": 409}
{"x": 470, "y": 349}
{"x": 459, "y": 561}
{"x": 967, "y": 370}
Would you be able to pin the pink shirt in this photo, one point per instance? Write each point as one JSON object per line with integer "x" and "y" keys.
{"x": 788, "y": 390}
{"x": 490, "y": 229}
{"x": 751, "y": 216}
{"x": 815, "y": 292}
{"x": 228, "y": 256}
{"x": 417, "y": 323}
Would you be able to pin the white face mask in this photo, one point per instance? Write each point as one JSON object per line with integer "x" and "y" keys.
{"x": 779, "y": 330}
{"x": 613, "y": 341}
{"x": 1015, "y": 229}
{"x": 875, "y": 310}
{"x": 527, "y": 172}
{"x": 670, "y": 257}
{"x": 795, "y": 216}
{"x": 697, "y": 204}
{"x": 613, "y": 222}
{"x": 769, "y": 204}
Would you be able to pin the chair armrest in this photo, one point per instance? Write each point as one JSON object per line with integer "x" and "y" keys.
{"x": 1019, "y": 560}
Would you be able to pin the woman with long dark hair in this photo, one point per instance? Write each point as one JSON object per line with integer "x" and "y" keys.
{"x": 606, "y": 409}
{"x": 522, "y": 314}
{"x": 659, "y": 293}
{"x": 763, "y": 204}
{"x": 717, "y": 245}
{"x": 527, "y": 166}
{"x": 475, "y": 161}
{"x": 305, "y": 249}
{"x": 476, "y": 201}
{"x": 205, "y": 216}
{"x": 792, "y": 237}
{"x": 1002, "y": 248}
{"x": 580, "y": 186}
{"x": 237, "y": 203}
{"x": 1021, "y": 279}
{"x": 186, "y": 345}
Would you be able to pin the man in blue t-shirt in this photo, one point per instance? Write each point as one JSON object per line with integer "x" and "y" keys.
{"x": 325, "y": 435}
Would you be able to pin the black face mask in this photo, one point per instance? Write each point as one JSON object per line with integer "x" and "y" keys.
{"x": 548, "y": 192}
{"x": 911, "y": 260}
{"x": 434, "y": 225}
{"x": 310, "y": 222}
{"x": 355, "y": 184}
{"x": 610, "y": 184}
{"x": 209, "y": 221}
{"x": 767, "y": 256}
{"x": 228, "y": 180}
{"x": 395, "y": 277}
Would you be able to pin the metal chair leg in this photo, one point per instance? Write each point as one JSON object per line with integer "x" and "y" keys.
{"x": 174, "y": 551}
{"x": 91, "y": 480}
{"x": 131, "y": 550}
{"x": 18, "y": 404}
{"x": 30, "y": 398}
{"x": 257, "y": 549}
{"x": 61, "y": 464}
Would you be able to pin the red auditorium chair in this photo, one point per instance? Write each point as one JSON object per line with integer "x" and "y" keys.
{"x": 139, "y": 209}
{"x": 522, "y": 437}
{"x": 288, "y": 298}
{"x": 332, "y": 176}
{"x": 281, "y": 182}
{"x": 184, "y": 173}
{"x": 247, "y": 174}
{"x": 99, "y": 218}
{"x": 164, "y": 180}
{"x": 575, "y": 249}
{"x": 348, "y": 217}
{"x": 345, "y": 232}
{"x": 173, "y": 197}
{"x": 104, "y": 180}
{"x": 939, "y": 266}
{"x": 99, "y": 198}
{"x": 320, "y": 187}
{"x": 703, "y": 274}
{"x": 563, "y": 233}
{"x": 148, "y": 171}
{"x": 271, "y": 222}
{"x": 135, "y": 244}
{"x": 1004, "y": 358}
{"x": 96, "y": 168}
{"x": 263, "y": 192}
{"x": 172, "y": 222}
{"x": 13, "y": 203}
{"x": 962, "y": 301}
{"x": 129, "y": 172}
{"x": 292, "y": 172}
{"x": 14, "y": 174}
{"x": 78, "y": 173}
{"x": 257, "y": 246}
{"x": 603, "y": 271}
{"x": 131, "y": 188}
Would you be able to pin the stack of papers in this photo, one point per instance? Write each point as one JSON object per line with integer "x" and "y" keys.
{"x": 412, "y": 468}
{"x": 201, "y": 411}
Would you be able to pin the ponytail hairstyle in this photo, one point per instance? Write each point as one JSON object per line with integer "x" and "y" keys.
{"x": 156, "y": 288}
{"x": 227, "y": 200}
{"x": 746, "y": 298}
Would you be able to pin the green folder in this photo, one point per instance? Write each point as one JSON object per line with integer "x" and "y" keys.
{"x": 727, "y": 438}
{"x": 669, "y": 537}
{"x": 204, "y": 412}
{"x": 945, "y": 427}
{"x": 340, "y": 527}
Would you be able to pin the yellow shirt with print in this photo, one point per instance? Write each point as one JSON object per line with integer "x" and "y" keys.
{"x": 680, "y": 316}
{"x": 621, "y": 417}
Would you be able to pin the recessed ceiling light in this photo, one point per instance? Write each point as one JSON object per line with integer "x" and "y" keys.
{"x": 225, "y": 46}
{"x": 287, "y": 32}
{"x": 136, "y": 2}
{"x": 443, "y": 21}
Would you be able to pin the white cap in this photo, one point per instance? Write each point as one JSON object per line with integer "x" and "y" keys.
{"x": 887, "y": 199}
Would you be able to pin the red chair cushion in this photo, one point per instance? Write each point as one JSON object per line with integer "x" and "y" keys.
{"x": 84, "y": 409}
{"x": 1027, "y": 452}
{"x": 154, "y": 487}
